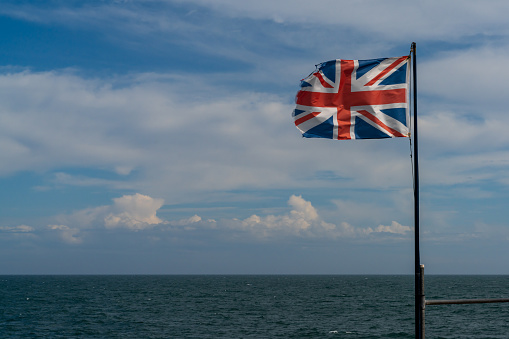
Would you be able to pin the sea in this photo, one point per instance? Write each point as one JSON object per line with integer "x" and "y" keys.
{"x": 247, "y": 306}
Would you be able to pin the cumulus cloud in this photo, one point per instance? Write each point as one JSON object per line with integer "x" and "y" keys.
{"x": 135, "y": 212}
{"x": 67, "y": 234}
{"x": 304, "y": 220}
{"x": 138, "y": 212}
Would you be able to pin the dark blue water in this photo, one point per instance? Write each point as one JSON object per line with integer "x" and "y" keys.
{"x": 246, "y": 307}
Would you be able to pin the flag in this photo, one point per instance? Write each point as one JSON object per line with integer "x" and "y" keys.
{"x": 355, "y": 99}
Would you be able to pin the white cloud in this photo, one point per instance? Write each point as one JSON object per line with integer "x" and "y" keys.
{"x": 188, "y": 221}
{"x": 135, "y": 212}
{"x": 302, "y": 209}
{"x": 17, "y": 229}
{"x": 311, "y": 27}
{"x": 395, "y": 228}
{"x": 423, "y": 20}
{"x": 147, "y": 124}
{"x": 179, "y": 137}
{"x": 67, "y": 234}
{"x": 138, "y": 212}
{"x": 303, "y": 220}
{"x": 68, "y": 121}
{"x": 468, "y": 77}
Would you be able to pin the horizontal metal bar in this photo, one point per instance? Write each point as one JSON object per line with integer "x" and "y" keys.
{"x": 466, "y": 301}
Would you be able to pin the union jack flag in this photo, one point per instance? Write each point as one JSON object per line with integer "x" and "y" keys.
{"x": 355, "y": 99}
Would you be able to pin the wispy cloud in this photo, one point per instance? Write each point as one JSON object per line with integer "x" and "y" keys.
{"x": 424, "y": 21}
{"x": 16, "y": 229}
{"x": 244, "y": 141}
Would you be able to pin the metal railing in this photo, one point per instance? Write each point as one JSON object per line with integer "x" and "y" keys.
{"x": 425, "y": 302}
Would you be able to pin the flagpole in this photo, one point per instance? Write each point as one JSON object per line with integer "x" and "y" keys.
{"x": 418, "y": 292}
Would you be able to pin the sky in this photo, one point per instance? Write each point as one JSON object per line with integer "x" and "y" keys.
{"x": 156, "y": 137}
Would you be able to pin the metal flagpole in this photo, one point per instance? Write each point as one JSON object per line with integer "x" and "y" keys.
{"x": 418, "y": 290}
{"x": 420, "y": 301}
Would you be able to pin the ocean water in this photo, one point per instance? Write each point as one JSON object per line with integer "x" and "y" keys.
{"x": 245, "y": 306}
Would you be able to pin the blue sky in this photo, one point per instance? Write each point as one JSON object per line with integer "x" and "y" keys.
{"x": 156, "y": 137}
